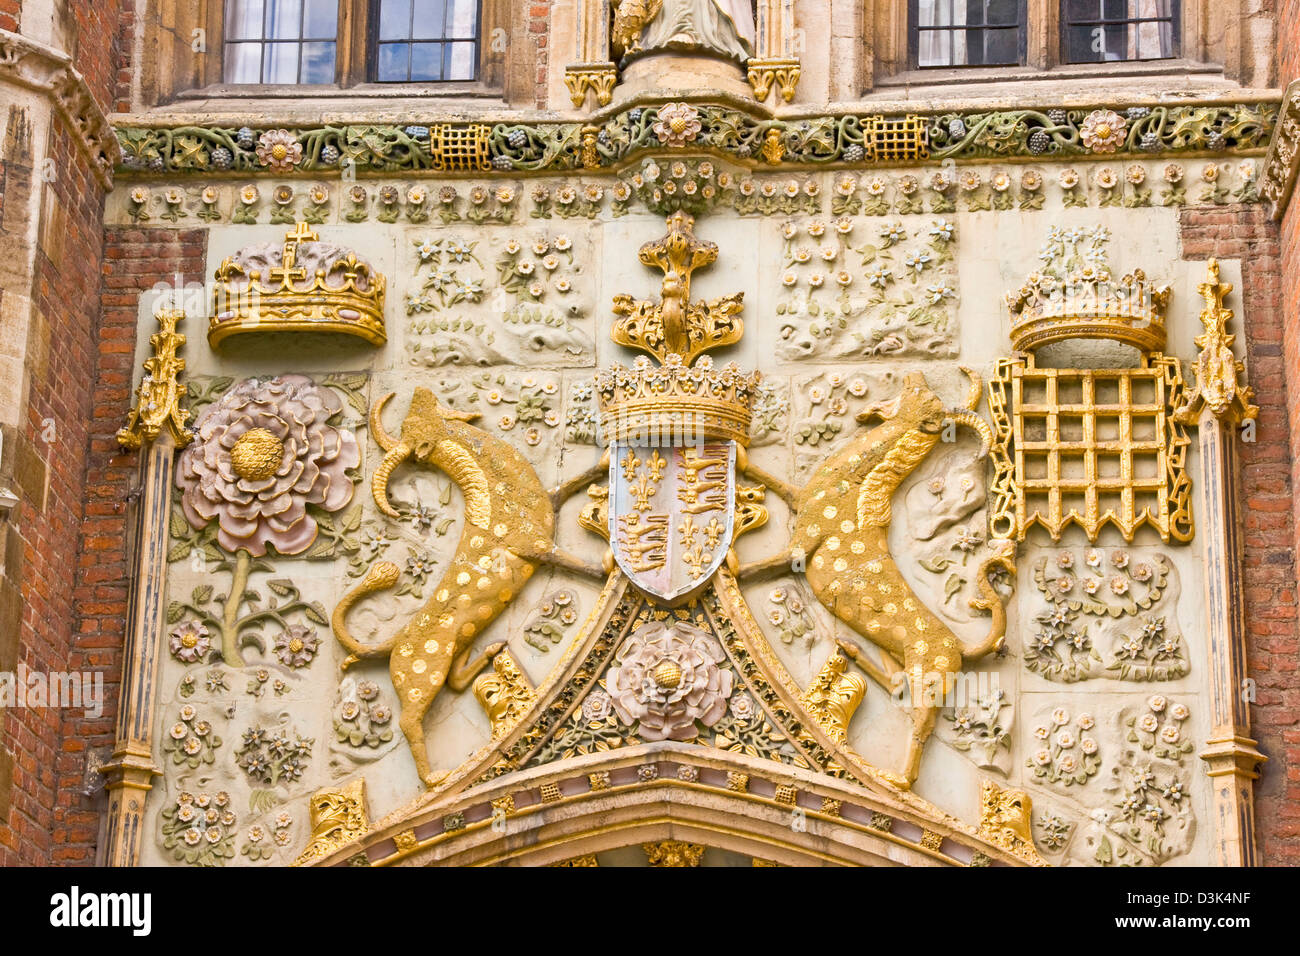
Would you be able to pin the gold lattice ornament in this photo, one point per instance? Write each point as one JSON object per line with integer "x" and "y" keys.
{"x": 1080, "y": 446}
{"x": 1089, "y": 447}
{"x": 460, "y": 149}
{"x": 893, "y": 139}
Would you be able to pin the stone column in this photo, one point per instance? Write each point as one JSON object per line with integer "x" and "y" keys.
{"x": 1220, "y": 406}
{"x": 157, "y": 428}
{"x": 130, "y": 771}
{"x": 1232, "y": 760}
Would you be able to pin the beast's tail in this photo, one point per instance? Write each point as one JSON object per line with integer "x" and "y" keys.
{"x": 381, "y": 576}
{"x": 989, "y": 600}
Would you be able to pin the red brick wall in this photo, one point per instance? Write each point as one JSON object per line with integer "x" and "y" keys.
{"x": 42, "y": 536}
{"x": 539, "y": 29}
{"x": 1288, "y": 31}
{"x": 1246, "y": 233}
{"x": 61, "y": 362}
{"x": 134, "y": 261}
{"x": 9, "y": 15}
{"x": 1287, "y": 819}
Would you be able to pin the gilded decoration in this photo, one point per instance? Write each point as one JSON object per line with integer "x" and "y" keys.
{"x": 1089, "y": 447}
{"x": 505, "y": 694}
{"x": 338, "y": 817}
{"x": 508, "y": 532}
{"x": 675, "y": 325}
{"x": 1220, "y": 383}
{"x": 1005, "y": 817}
{"x": 778, "y": 72}
{"x": 811, "y": 140}
{"x": 160, "y": 393}
{"x": 674, "y": 853}
{"x": 303, "y": 286}
{"x": 672, "y": 654}
{"x": 840, "y": 538}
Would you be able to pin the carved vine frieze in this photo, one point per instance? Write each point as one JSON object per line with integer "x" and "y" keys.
{"x": 809, "y": 140}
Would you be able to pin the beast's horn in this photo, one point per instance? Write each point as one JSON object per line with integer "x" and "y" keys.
{"x": 379, "y": 484}
{"x": 976, "y": 388}
{"x": 978, "y": 425}
{"x": 384, "y": 440}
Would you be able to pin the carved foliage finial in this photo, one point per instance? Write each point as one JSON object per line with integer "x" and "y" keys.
{"x": 158, "y": 399}
{"x": 1218, "y": 386}
{"x": 675, "y": 325}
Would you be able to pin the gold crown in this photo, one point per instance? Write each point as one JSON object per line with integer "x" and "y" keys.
{"x": 669, "y": 403}
{"x": 308, "y": 286}
{"x": 1075, "y": 297}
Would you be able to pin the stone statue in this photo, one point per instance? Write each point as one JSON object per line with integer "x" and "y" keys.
{"x": 722, "y": 27}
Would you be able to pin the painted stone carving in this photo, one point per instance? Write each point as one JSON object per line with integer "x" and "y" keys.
{"x": 363, "y": 718}
{"x": 199, "y": 828}
{"x": 667, "y": 679}
{"x": 842, "y": 520}
{"x": 1148, "y": 819}
{"x": 263, "y": 453}
{"x": 855, "y": 289}
{"x": 302, "y": 285}
{"x": 1066, "y": 749}
{"x": 549, "y": 622}
{"x": 531, "y": 314}
{"x": 982, "y": 729}
{"x": 509, "y": 522}
{"x": 1109, "y": 614}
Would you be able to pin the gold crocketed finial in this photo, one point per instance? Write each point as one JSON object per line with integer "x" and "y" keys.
{"x": 675, "y": 325}
{"x": 158, "y": 399}
{"x": 1217, "y": 369}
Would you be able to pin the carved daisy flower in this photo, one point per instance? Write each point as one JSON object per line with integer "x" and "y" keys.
{"x": 678, "y": 124}
{"x": 279, "y": 150}
{"x": 1103, "y": 131}
{"x": 189, "y": 642}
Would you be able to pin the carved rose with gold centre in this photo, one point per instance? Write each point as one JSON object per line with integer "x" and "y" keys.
{"x": 262, "y": 454}
{"x": 667, "y": 679}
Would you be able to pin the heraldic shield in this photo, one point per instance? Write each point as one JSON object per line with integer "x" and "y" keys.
{"x": 672, "y": 513}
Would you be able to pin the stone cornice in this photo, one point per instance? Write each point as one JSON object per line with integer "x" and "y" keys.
{"x": 1283, "y": 159}
{"x": 614, "y": 139}
{"x": 37, "y": 67}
